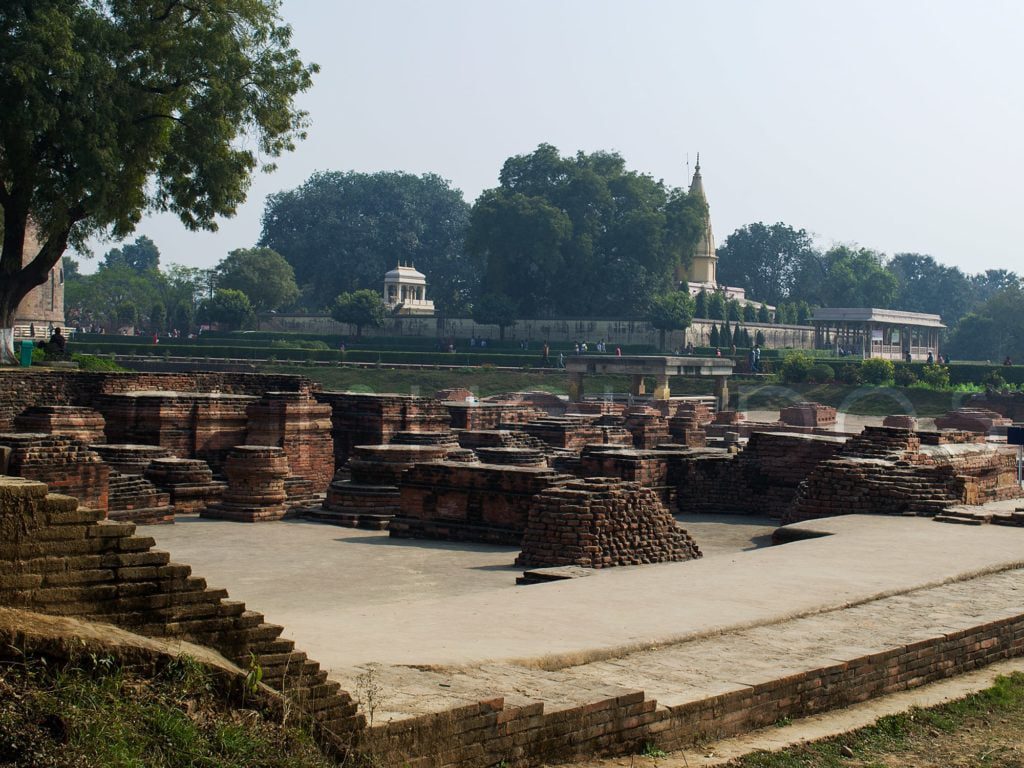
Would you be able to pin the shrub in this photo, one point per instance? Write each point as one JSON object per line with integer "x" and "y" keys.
{"x": 796, "y": 367}
{"x": 904, "y": 375}
{"x": 994, "y": 380}
{"x": 821, "y": 373}
{"x": 851, "y": 375}
{"x": 877, "y": 370}
{"x": 38, "y": 355}
{"x": 936, "y": 376}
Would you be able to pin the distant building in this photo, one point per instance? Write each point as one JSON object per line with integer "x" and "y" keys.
{"x": 43, "y": 308}
{"x": 405, "y": 292}
{"x": 702, "y": 274}
{"x": 868, "y": 332}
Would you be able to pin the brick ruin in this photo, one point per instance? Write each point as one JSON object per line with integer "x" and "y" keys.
{"x": 190, "y": 425}
{"x": 83, "y": 424}
{"x": 492, "y": 415}
{"x": 893, "y": 471}
{"x": 762, "y": 479}
{"x": 63, "y": 463}
{"x": 469, "y": 502}
{"x": 370, "y": 419}
{"x": 299, "y": 425}
{"x": 366, "y": 494}
{"x": 189, "y": 482}
{"x": 600, "y": 523}
{"x": 573, "y": 432}
{"x": 256, "y": 485}
{"x": 980, "y": 420}
{"x": 58, "y": 557}
{"x": 653, "y": 469}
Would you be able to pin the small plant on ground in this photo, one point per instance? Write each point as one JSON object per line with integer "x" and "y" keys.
{"x": 652, "y": 750}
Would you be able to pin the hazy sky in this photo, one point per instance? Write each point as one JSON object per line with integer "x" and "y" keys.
{"x": 894, "y": 124}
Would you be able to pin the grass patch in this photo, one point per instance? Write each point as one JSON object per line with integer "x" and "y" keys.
{"x": 861, "y": 401}
{"x": 105, "y": 716}
{"x": 984, "y": 729}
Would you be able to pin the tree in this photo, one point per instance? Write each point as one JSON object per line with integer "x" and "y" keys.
{"x": 765, "y": 259}
{"x": 495, "y": 309}
{"x": 733, "y": 310}
{"x": 141, "y": 256}
{"x": 715, "y": 339}
{"x": 262, "y": 274}
{"x": 759, "y": 338}
{"x": 924, "y": 285}
{"x": 700, "y": 305}
{"x": 103, "y": 298}
{"x": 671, "y": 311}
{"x": 716, "y": 306}
{"x": 342, "y": 231}
{"x": 763, "y": 316}
{"x": 994, "y": 331}
{"x": 847, "y": 277}
{"x": 227, "y": 307}
{"x": 360, "y": 308}
{"x": 749, "y": 313}
{"x": 112, "y": 109}
{"x": 581, "y": 235}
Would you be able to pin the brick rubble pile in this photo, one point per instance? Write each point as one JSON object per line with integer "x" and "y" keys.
{"x": 600, "y": 523}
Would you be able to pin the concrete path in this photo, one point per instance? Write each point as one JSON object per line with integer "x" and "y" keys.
{"x": 476, "y": 615}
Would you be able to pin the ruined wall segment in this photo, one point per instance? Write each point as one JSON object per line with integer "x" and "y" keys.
{"x": 59, "y": 558}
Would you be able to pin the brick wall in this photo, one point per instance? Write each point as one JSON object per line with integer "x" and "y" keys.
{"x": 21, "y": 389}
{"x": 60, "y": 559}
{"x": 488, "y": 733}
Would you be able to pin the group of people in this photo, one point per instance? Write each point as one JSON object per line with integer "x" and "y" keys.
{"x": 943, "y": 359}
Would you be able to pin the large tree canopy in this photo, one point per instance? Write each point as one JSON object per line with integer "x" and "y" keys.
{"x": 342, "y": 231}
{"x": 261, "y": 274}
{"x": 766, "y": 260}
{"x": 111, "y": 109}
{"x": 581, "y": 235}
{"x": 141, "y": 256}
{"x": 927, "y": 286}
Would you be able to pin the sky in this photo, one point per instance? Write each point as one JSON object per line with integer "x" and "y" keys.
{"x": 897, "y": 125}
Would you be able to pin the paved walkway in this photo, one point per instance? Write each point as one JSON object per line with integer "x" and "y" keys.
{"x": 704, "y": 667}
{"x": 445, "y": 624}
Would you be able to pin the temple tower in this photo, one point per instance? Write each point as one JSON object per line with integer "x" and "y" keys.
{"x": 703, "y": 269}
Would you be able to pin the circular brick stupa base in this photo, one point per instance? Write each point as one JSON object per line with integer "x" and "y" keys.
{"x": 256, "y": 485}
{"x": 129, "y": 459}
{"x": 371, "y": 499}
{"x": 189, "y": 481}
{"x": 602, "y": 522}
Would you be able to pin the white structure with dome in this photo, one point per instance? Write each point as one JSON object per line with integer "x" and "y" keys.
{"x": 405, "y": 292}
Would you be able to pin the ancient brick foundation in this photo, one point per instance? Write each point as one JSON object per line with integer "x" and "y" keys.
{"x": 365, "y": 419}
{"x": 762, "y": 479}
{"x": 256, "y": 485}
{"x": 83, "y": 424}
{"x": 808, "y": 415}
{"x": 649, "y": 468}
{"x": 133, "y": 498}
{"x": 599, "y": 523}
{"x": 21, "y": 389}
{"x": 189, "y": 482}
{"x": 647, "y": 427}
{"x": 980, "y": 420}
{"x": 887, "y": 470}
{"x": 191, "y": 425}
{"x": 65, "y": 464}
{"x": 59, "y": 558}
{"x": 573, "y": 432}
{"x": 130, "y": 459}
{"x": 491, "y": 415}
{"x": 295, "y": 422}
{"x": 469, "y": 502}
{"x": 369, "y": 498}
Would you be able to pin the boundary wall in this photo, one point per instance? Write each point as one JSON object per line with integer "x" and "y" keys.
{"x": 537, "y": 331}
{"x": 488, "y": 733}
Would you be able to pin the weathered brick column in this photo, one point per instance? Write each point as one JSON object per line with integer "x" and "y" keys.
{"x": 256, "y": 485}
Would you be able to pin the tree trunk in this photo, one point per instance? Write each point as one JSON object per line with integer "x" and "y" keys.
{"x": 662, "y": 344}
{"x": 501, "y": 333}
{"x": 16, "y": 280}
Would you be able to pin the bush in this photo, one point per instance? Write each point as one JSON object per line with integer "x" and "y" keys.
{"x": 877, "y": 370}
{"x": 94, "y": 363}
{"x": 796, "y": 367}
{"x": 299, "y": 344}
{"x": 850, "y": 375}
{"x": 821, "y": 373}
{"x": 904, "y": 375}
{"x": 994, "y": 380}
{"x": 38, "y": 355}
{"x": 936, "y": 376}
